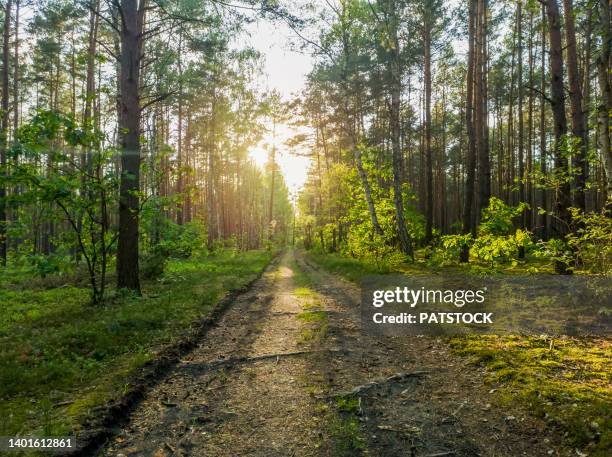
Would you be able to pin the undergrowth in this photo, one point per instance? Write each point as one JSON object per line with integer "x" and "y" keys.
{"x": 61, "y": 357}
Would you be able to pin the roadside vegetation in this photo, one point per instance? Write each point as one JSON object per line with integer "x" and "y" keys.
{"x": 563, "y": 380}
{"x": 61, "y": 357}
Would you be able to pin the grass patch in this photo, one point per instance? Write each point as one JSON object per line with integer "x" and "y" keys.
{"x": 314, "y": 321}
{"x": 354, "y": 269}
{"x": 345, "y": 428}
{"x": 566, "y": 383}
{"x": 60, "y": 357}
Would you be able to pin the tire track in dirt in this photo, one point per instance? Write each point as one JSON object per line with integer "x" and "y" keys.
{"x": 262, "y": 383}
{"x": 247, "y": 403}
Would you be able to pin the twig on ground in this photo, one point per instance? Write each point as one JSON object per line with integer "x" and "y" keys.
{"x": 398, "y": 377}
{"x": 228, "y": 363}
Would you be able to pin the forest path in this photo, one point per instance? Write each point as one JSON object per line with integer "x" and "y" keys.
{"x": 262, "y": 383}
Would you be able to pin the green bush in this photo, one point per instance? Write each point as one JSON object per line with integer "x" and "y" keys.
{"x": 153, "y": 264}
{"x": 592, "y": 241}
{"x": 44, "y": 265}
{"x": 182, "y": 241}
{"x": 449, "y": 249}
{"x": 495, "y": 249}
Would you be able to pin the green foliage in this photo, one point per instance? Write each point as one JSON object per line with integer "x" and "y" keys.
{"x": 61, "y": 358}
{"x": 495, "y": 249}
{"x": 497, "y": 218}
{"x": 182, "y": 241}
{"x": 44, "y": 265}
{"x": 591, "y": 242}
{"x": 358, "y": 238}
{"x": 363, "y": 244}
{"x": 449, "y": 249}
{"x": 345, "y": 427}
{"x": 153, "y": 264}
{"x": 497, "y": 241}
{"x": 588, "y": 246}
{"x": 84, "y": 195}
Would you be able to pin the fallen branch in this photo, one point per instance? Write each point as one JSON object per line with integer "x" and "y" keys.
{"x": 398, "y": 377}
{"x": 228, "y": 363}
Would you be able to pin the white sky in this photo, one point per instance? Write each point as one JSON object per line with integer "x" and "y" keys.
{"x": 286, "y": 72}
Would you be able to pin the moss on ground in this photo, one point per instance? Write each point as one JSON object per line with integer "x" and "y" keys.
{"x": 565, "y": 381}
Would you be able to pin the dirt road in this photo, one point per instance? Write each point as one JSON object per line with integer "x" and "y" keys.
{"x": 271, "y": 378}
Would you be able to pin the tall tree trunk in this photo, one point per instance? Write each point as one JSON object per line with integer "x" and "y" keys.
{"x": 560, "y": 122}
{"x": 543, "y": 158}
{"x": 132, "y": 25}
{"x": 350, "y": 127}
{"x": 428, "y": 152}
{"x": 16, "y": 73}
{"x": 468, "y": 200}
{"x": 509, "y": 178}
{"x": 521, "y": 133}
{"x": 4, "y": 128}
{"x": 211, "y": 197}
{"x": 368, "y": 191}
{"x": 604, "y": 107}
{"x": 578, "y": 120}
{"x": 482, "y": 112}
{"x": 396, "y": 89}
{"x": 272, "y": 188}
{"x": 529, "y": 214}
{"x": 180, "y": 216}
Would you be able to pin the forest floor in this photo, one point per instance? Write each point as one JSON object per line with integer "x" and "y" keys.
{"x": 274, "y": 378}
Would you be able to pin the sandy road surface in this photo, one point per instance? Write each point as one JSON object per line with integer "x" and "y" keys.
{"x": 264, "y": 382}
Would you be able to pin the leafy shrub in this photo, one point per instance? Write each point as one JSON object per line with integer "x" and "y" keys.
{"x": 449, "y": 249}
{"x": 181, "y": 241}
{"x": 592, "y": 241}
{"x": 555, "y": 250}
{"x": 497, "y": 218}
{"x": 153, "y": 264}
{"x": 365, "y": 245}
{"x": 44, "y": 265}
{"x": 499, "y": 248}
{"x": 497, "y": 240}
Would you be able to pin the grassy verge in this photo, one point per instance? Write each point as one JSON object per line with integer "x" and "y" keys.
{"x": 565, "y": 381}
{"x": 60, "y": 357}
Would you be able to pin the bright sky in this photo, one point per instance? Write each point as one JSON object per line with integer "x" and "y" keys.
{"x": 286, "y": 72}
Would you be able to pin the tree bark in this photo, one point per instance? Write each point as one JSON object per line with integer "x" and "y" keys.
{"x": 560, "y": 123}
{"x": 558, "y": 106}
{"x": 396, "y": 89}
{"x": 468, "y": 200}
{"x": 604, "y": 107}
{"x": 132, "y": 25}
{"x": 521, "y": 126}
{"x": 543, "y": 158}
{"x": 4, "y": 128}
{"x": 480, "y": 102}
{"x": 16, "y": 73}
{"x": 180, "y": 184}
{"x": 578, "y": 119}
{"x": 368, "y": 191}
{"x": 428, "y": 152}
